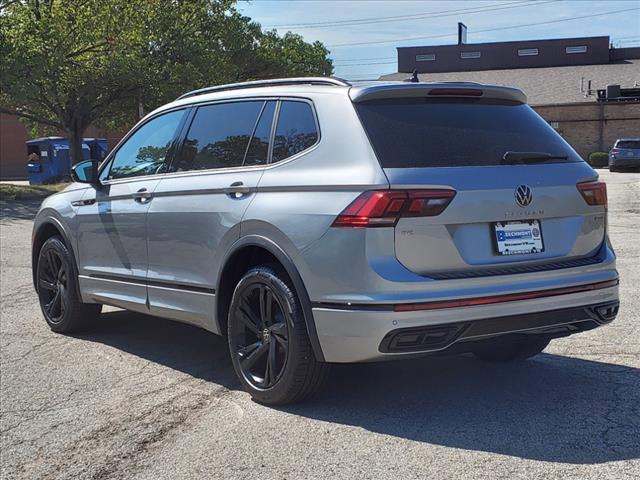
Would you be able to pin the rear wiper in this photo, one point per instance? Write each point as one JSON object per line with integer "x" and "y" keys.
{"x": 511, "y": 158}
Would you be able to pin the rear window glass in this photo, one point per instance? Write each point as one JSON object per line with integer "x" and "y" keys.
{"x": 296, "y": 130}
{"x": 414, "y": 133}
{"x": 634, "y": 144}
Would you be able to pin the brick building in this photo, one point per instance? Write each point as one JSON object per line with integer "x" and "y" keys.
{"x": 561, "y": 78}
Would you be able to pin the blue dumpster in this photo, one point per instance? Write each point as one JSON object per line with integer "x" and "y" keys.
{"x": 98, "y": 148}
{"x": 49, "y": 159}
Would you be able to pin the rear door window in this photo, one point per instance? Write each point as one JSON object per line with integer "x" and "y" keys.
{"x": 296, "y": 129}
{"x": 218, "y": 136}
{"x": 418, "y": 132}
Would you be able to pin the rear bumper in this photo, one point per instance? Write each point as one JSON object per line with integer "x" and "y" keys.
{"x": 356, "y": 335}
{"x": 621, "y": 162}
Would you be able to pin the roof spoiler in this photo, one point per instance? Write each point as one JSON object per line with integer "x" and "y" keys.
{"x": 441, "y": 89}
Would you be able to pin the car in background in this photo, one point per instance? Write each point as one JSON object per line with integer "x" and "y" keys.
{"x": 625, "y": 154}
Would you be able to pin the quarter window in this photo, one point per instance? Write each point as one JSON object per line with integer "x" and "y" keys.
{"x": 296, "y": 130}
{"x": 219, "y": 136}
{"x": 145, "y": 152}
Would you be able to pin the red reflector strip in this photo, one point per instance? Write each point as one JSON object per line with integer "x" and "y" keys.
{"x": 469, "y": 302}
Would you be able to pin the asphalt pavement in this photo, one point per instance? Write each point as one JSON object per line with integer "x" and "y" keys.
{"x": 140, "y": 397}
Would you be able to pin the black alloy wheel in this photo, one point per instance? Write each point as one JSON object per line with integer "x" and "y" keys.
{"x": 268, "y": 339}
{"x": 60, "y": 300}
{"x": 53, "y": 285}
{"x": 261, "y": 336}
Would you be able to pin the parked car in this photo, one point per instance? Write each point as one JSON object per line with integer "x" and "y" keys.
{"x": 625, "y": 154}
{"x": 312, "y": 221}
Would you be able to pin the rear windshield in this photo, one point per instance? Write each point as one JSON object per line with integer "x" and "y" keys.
{"x": 634, "y": 144}
{"x": 418, "y": 132}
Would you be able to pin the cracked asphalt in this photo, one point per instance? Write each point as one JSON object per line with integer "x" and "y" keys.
{"x": 146, "y": 398}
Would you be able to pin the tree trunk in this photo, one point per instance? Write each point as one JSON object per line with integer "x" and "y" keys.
{"x": 75, "y": 132}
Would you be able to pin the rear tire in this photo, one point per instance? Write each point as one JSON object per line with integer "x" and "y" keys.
{"x": 268, "y": 341}
{"x": 59, "y": 298}
{"x": 612, "y": 169}
{"x": 510, "y": 349}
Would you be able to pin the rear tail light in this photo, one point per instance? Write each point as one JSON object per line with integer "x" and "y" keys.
{"x": 383, "y": 208}
{"x": 614, "y": 151}
{"x": 594, "y": 193}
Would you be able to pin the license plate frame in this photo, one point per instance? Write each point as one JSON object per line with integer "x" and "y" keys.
{"x": 518, "y": 237}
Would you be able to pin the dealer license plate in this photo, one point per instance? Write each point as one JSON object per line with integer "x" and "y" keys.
{"x": 518, "y": 238}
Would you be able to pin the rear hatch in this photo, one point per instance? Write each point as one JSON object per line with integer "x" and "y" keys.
{"x": 627, "y": 149}
{"x": 511, "y": 211}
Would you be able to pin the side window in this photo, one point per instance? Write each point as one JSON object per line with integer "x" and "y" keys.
{"x": 218, "y": 136}
{"x": 258, "y": 150}
{"x": 296, "y": 130}
{"x": 144, "y": 153}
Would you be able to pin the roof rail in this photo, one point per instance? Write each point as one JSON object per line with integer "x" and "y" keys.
{"x": 329, "y": 81}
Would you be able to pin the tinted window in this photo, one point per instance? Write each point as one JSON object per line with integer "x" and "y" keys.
{"x": 633, "y": 144}
{"x": 296, "y": 130}
{"x": 452, "y": 133}
{"x": 145, "y": 151}
{"x": 218, "y": 136}
{"x": 258, "y": 150}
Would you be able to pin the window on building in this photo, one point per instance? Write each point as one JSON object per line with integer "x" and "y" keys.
{"x": 469, "y": 54}
{"x": 577, "y": 49}
{"x": 427, "y": 57}
{"x": 527, "y": 52}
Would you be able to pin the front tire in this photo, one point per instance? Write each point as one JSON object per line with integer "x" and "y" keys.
{"x": 59, "y": 298}
{"x": 510, "y": 349}
{"x": 270, "y": 348}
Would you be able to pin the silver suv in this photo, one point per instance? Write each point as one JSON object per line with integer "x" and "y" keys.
{"x": 313, "y": 221}
{"x": 625, "y": 154}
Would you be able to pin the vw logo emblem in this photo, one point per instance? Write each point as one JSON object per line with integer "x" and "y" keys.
{"x": 523, "y": 195}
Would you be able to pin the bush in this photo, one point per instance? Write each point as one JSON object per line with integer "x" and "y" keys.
{"x": 599, "y": 159}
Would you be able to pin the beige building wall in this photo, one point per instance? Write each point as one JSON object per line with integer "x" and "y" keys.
{"x": 593, "y": 127}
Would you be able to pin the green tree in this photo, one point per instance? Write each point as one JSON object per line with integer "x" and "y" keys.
{"x": 68, "y": 64}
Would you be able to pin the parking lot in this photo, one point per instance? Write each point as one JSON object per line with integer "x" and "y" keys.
{"x": 140, "y": 397}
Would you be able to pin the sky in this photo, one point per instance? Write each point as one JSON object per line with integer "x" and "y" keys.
{"x": 362, "y": 35}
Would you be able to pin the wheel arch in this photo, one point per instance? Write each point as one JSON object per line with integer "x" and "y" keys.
{"x": 252, "y": 250}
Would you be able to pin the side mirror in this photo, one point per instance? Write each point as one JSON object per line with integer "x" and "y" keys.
{"x": 85, "y": 172}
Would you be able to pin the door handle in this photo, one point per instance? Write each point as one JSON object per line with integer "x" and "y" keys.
{"x": 142, "y": 196}
{"x": 237, "y": 189}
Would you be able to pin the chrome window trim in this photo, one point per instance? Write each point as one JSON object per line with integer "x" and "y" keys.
{"x": 242, "y": 168}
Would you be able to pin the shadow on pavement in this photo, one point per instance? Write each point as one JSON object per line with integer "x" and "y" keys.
{"x": 19, "y": 209}
{"x": 551, "y": 408}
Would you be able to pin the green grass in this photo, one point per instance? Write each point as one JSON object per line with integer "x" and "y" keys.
{"x": 27, "y": 192}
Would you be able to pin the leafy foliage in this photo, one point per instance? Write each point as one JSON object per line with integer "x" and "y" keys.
{"x": 598, "y": 159}
{"x": 68, "y": 64}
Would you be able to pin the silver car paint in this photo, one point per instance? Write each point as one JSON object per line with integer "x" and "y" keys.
{"x": 184, "y": 234}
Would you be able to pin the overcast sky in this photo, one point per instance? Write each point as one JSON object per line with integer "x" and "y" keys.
{"x": 349, "y": 28}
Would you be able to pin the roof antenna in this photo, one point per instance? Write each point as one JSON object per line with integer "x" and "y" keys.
{"x": 413, "y": 78}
